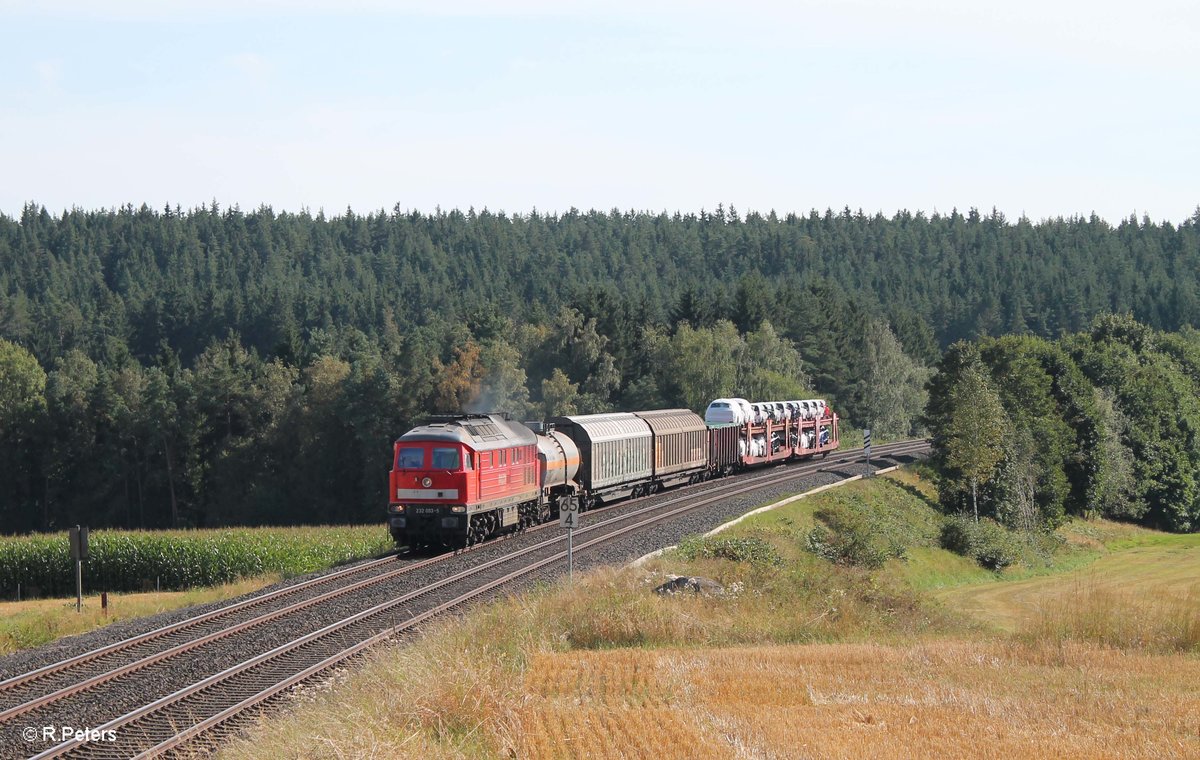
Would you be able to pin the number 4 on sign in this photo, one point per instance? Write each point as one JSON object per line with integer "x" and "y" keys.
{"x": 569, "y": 518}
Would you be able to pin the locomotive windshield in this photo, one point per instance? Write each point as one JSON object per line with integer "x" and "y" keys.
{"x": 410, "y": 459}
{"x": 445, "y": 459}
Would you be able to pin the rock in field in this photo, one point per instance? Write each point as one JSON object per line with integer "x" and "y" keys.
{"x": 694, "y": 584}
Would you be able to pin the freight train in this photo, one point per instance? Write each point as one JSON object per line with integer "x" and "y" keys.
{"x": 460, "y": 479}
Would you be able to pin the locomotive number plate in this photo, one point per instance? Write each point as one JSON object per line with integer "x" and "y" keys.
{"x": 425, "y": 510}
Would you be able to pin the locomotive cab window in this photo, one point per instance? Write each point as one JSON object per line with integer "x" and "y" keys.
{"x": 445, "y": 459}
{"x": 410, "y": 459}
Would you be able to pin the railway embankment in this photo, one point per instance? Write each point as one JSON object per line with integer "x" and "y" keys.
{"x": 845, "y": 629}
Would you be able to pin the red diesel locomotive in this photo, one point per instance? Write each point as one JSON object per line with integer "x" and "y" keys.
{"x": 463, "y": 476}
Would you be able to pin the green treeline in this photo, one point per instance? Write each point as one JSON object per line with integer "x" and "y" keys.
{"x": 238, "y": 438}
{"x": 216, "y": 367}
{"x": 1105, "y": 422}
{"x": 132, "y": 280}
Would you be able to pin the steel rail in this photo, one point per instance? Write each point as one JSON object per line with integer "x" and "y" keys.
{"x": 191, "y": 644}
{"x": 10, "y": 683}
{"x": 210, "y": 723}
{"x": 234, "y": 710}
{"x": 264, "y": 694}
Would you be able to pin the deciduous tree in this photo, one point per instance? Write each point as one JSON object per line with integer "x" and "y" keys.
{"x": 976, "y": 431}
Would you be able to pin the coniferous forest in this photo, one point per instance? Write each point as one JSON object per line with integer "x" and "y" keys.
{"x": 212, "y": 366}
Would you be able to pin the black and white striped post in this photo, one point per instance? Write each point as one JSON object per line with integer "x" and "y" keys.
{"x": 79, "y": 552}
{"x": 867, "y": 450}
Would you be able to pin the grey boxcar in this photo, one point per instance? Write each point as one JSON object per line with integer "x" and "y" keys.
{"x": 615, "y": 449}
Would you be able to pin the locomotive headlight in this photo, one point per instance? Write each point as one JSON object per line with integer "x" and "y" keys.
{"x": 458, "y": 508}
{"x": 397, "y": 509}
{"x": 426, "y": 482}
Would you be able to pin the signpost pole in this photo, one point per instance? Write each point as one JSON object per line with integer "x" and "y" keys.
{"x": 568, "y": 517}
{"x": 79, "y": 551}
{"x": 867, "y": 450}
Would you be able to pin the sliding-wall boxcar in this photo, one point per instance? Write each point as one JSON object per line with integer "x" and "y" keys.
{"x": 680, "y": 440}
{"x": 616, "y": 454}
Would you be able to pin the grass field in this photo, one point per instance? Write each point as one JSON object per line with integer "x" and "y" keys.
{"x": 1140, "y": 589}
{"x": 39, "y": 621}
{"x": 924, "y": 656}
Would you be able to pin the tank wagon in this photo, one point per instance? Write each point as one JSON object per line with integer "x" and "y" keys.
{"x": 460, "y": 479}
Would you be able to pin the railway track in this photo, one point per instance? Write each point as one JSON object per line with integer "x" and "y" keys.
{"x": 215, "y": 704}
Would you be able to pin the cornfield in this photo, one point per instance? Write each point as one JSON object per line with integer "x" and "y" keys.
{"x": 142, "y": 560}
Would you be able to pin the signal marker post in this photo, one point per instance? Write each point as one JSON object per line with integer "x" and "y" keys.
{"x": 79, "y": 552}
{"x": 867, "y": 450}
{"x": 568, "y": 517}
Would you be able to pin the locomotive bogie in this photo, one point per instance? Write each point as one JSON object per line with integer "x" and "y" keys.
{"x": 440, "y": 525}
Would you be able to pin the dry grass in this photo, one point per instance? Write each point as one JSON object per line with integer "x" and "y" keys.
{"x": 453, "y": 694}
{"x": 949, "y": 698}
{"x": 609, "y": 705}
{"x": 463, "y": 691}
{"x": 1122, "y": 619}
{"x": 953, "y": 699}
{"x": 38, "y": 621}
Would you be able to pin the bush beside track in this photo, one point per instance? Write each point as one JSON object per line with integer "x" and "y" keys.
{"x": 171, "y": 560}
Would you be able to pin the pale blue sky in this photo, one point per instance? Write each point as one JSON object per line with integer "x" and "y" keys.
{"x": 1042, "y": 108}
